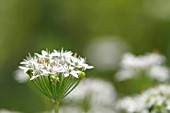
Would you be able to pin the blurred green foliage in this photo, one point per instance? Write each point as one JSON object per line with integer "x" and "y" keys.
{"x": 33, "y": 25}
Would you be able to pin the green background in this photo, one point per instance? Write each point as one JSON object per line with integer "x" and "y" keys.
{"x": 33, "y": 25}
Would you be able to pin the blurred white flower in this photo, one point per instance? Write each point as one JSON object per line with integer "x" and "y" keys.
{"x": 20, "y": 76}
{"x": 105, "y": 52}
{"x": 124, "y": 74}
{"x": 131, "y": 104}
{"x": 161, "y": 89}
{"x": 102, "y": 110}
{"x": 70, "y": 109}
{"x": 7, "y": 111}
{"x": 101, "y": 94}
{"x": 151, "y": 65}
{"x": 157, "y": 99}
{"x": 66, "y": 109}
{"x": 153, "y": 100}
{"x": 160, "y": 73}
{"x": 141, "y": 62}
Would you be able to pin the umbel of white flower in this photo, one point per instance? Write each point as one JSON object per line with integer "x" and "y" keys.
{"x": 153, "y": 100}
{"x": 151, "y": 64}
{"x": 55, "y": 74}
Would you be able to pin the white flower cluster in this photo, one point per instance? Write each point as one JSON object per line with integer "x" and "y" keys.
{"x": 154, "y": 100}
{"x": 20, "y": 76}
{"x": 99, "y": 94}
{"x": 131, "y": 104}
{"x": 150, "y": 64}
{"x": 55, "y": 63}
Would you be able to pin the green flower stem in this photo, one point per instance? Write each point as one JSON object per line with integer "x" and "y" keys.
{"x": 56, "y": 106}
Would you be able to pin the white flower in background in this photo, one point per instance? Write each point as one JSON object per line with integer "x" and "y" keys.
{"x": 160, "y": 73}
{"x": 7, "y": 111}
{"x": 70, "y": 109}
{"x": 141, "y": 62}
{"x": 158, "y": 99}
{"x": 67, "y": 109}
{"x": 154, "y": 100}
{"x": 151, "y": 65}
{"x": 131, "y": 104}
{"x": 105, "y": 52}
{"x": 100, "y": 95}
{"x": 125, "y": 74}
{"x": 20, "y": 76}
{"x": 101, "y": 110}
{"x": 47, "y": 63}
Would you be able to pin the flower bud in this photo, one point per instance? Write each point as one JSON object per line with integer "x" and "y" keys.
{"x": 75, "y": 54}
{"x": 81, "y": 74}
{"x": 53, "y": 78}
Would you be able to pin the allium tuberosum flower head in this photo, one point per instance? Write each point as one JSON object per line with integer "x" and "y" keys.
{"x": 55, "y": 73}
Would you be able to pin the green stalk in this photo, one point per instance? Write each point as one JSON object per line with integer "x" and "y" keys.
{"x": 56, "y": 106}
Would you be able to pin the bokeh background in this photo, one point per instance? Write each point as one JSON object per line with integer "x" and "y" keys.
{"x": 101, "y": 30}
